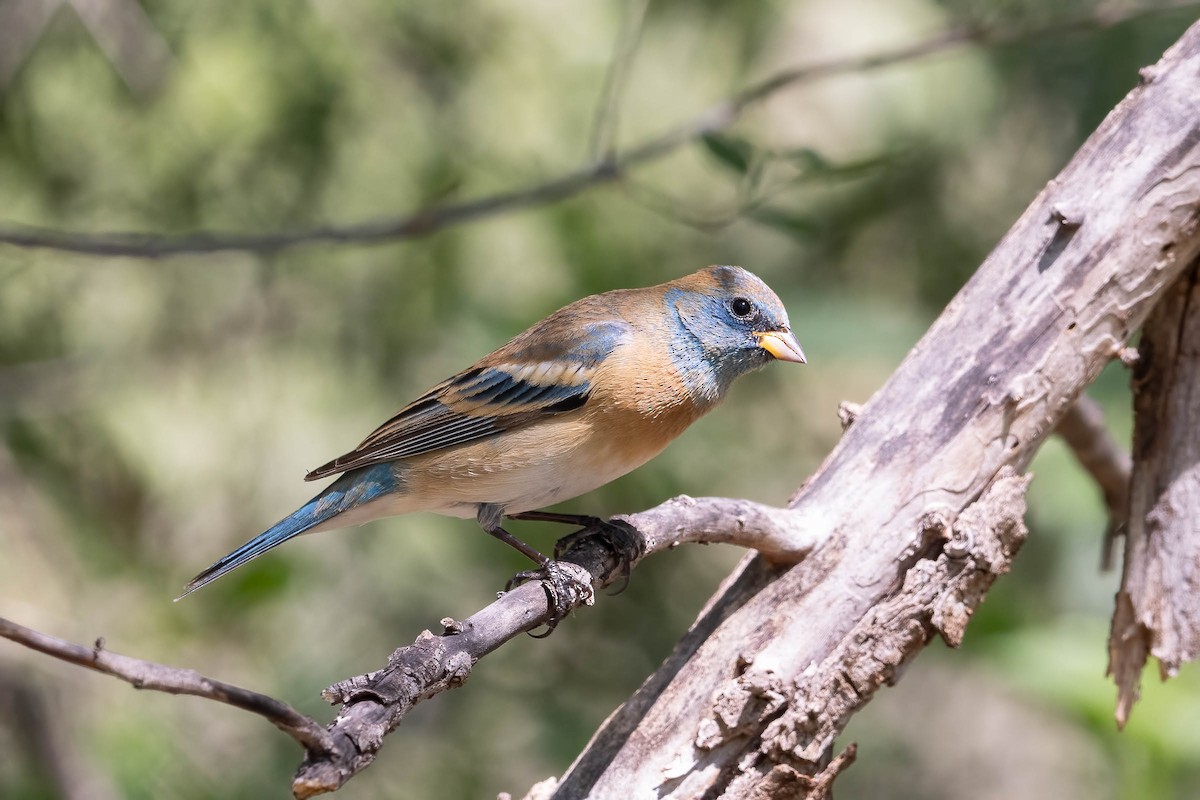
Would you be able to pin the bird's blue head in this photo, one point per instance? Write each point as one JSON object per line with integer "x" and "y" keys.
{"x": 732, "y": 323}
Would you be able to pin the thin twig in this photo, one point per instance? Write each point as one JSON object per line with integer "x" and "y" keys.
{"x": 604, "y": 126}
{"x": 604, "y": 170}
{"x": 1109, "y": 464}
{"x": 173, "y": 680}
{"x": 374, "y": 704}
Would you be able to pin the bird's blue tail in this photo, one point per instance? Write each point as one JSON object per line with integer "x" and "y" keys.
{"x": 349, "y": 491}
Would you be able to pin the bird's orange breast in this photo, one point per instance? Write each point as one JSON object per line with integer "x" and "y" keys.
{"x": 558, "y": 458}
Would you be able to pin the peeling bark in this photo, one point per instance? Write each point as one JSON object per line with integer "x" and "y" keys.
{"x": 1158, "y": 605}
{"x": 780, "y": 718}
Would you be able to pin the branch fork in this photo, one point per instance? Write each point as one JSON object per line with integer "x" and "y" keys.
{"x": 375, "y": 703}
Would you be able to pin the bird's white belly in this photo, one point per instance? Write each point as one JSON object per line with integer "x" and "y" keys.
{"x": 537, "y": 487}
{"x": 522, "y": 470}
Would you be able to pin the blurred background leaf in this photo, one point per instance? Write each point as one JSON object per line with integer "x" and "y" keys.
{"x": 155, "y": 414}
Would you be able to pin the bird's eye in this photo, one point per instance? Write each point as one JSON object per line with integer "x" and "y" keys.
{"x": 741, "y": 307}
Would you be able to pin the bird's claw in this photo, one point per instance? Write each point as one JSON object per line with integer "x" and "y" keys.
{"x": 567, "y": 585}
{"x": 619, "y": 537}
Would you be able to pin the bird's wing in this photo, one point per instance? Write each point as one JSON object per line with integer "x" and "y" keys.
{"x": 537, "y": 374}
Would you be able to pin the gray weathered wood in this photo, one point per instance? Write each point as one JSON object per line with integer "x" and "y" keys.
{"x": 1158, "y": 605}
{"x": 772, "y": 670}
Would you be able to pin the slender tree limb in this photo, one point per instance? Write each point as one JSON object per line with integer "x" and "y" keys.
{"x": 616, "y": 78}
{"x": 374, "y": 704}
{"x": 161, "y": 678}
{"x": 1109, "y": 464}
{"x": 609, "y": 167}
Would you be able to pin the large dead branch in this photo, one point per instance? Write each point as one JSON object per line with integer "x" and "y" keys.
{"x": 1158, "y": 608}
{"x": 767, "y": 683}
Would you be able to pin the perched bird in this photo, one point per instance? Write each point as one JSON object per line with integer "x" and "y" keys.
{"x": 593, "y": 391}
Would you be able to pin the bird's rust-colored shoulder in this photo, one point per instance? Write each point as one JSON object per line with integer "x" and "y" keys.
{"x": 582, "y": 331}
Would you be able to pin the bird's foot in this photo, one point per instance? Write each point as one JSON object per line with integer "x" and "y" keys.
{"x": 619, "y": 537}
{"x": 567, "y": 586}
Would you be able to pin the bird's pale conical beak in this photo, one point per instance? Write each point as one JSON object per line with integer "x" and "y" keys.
{"x": 781, "y": 344}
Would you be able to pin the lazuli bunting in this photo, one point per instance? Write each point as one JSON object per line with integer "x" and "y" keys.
{"x": 593, "y": 391}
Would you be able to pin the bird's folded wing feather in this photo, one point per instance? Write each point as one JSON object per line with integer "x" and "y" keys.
{"x": 535, "y": 375}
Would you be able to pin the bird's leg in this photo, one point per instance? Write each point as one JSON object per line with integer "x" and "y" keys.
{"x": 489, "y": 516}
{"x": 582, "y": 520}
{"x": 564, "y": 587}
{"x": 588, "y": 526}
{"x": 617, "y": 536}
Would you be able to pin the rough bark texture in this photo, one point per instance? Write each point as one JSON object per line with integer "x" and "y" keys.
{"x": 374, "y": 704}
{"x": 772, "y": 669}
{"x": 1158, "y": 605}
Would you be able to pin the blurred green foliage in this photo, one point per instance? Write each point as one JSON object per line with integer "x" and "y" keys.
{"x": 155, "y": 414}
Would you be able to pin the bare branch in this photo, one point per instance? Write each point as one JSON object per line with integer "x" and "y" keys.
{"x": 604, "y": 127}
{"x": 1084, "y": 431}
{"x": 608, "y": 168}
{"x": 374, "y": 704}
{"x": 173, "y": 680}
